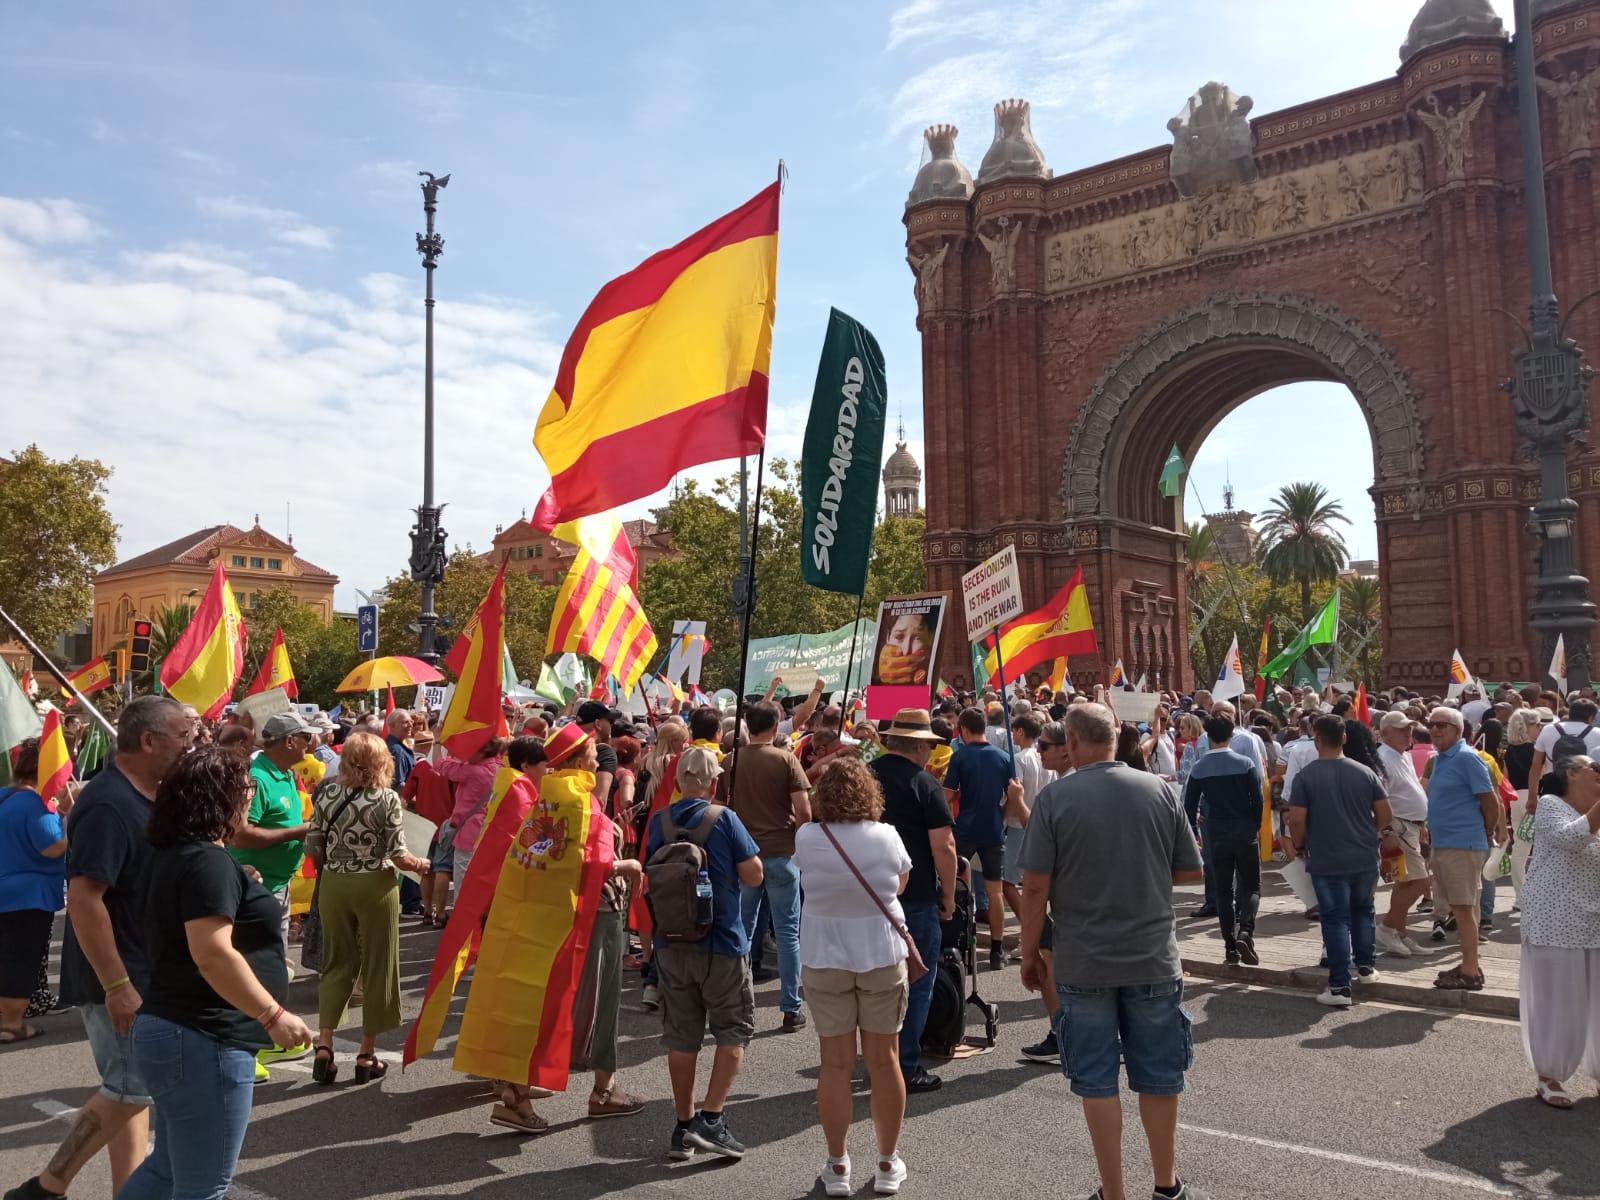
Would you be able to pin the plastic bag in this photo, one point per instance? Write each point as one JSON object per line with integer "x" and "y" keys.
{"x": 1499, "y": 864}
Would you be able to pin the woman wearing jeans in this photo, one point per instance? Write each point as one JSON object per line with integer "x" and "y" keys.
{"x": 217, "y": 980}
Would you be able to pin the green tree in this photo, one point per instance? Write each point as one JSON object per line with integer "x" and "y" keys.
{"x": 467, "y": 577}
{"x": 1360, "y": 618}
{"x": 56, "y": 535}
{"x": 1299, "y": 542}
{"x": 321, "y": 655}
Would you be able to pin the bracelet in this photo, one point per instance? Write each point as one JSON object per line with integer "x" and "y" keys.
{"x": 111, "y": 987}
{"x": 268, "y": 1020}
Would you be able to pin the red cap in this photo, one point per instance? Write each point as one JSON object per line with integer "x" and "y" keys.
{"x": 564, "y": 743}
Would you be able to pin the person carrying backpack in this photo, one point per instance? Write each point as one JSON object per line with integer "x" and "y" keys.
{"x": 696, "y": 856}
{"x": 1577, "y": 734}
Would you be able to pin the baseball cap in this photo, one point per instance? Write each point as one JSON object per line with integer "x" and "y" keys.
{"x": 591, "y": 711}
{"x": 284, "y": 724}
{"x": 698, "y": 768}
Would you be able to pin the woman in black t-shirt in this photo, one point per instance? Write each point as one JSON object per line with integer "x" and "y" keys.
{"x": 217, "y": 980}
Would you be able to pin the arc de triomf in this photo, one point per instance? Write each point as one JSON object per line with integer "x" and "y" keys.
{"x": 1075, "y": 326}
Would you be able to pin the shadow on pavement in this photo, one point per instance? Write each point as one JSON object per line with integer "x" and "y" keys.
{"x": 1520, "y": 1140}
{"x": 1384, "y": 1029}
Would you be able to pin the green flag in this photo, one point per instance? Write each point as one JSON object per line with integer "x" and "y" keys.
{"x": 843, "y": 451}
{"x": 549, "y": 686}
{"x": 19, "y": 720}
{"x": 980, "y": 663}
{"x": 1322, "y": 631}
{"x": 155, "y": 679}
{"x": 92, "y": 754}
{"x": 1172, "y": 474}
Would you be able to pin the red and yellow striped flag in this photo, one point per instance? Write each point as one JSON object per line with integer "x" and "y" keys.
{"x": 666, "y": 369}
{"x": 55, "y": 761}
{"x": 275, "y": 670}
{"x": 207, "y": 659}
{"x": 1262, "y": 658}
{"x": 597, "y": 611}
{"x": 90, "y": 678}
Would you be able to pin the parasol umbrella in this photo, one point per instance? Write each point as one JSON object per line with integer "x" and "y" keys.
{"x": 390, "y": 671}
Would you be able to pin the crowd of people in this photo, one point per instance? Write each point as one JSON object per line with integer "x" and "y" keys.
{"x": 201, "y": 860}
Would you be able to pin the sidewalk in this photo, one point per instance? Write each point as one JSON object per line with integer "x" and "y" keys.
{"x": 1290, "y": 947}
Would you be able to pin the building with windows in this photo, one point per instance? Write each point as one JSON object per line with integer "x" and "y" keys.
{"x": 179, "y": 572}
{"x": 547, "y": 559}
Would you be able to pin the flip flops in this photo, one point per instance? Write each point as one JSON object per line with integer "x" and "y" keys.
{"x": 26, "y": 1034}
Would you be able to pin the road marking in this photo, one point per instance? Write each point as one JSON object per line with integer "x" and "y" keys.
{"x": 53, "y": 1108}
{"x": 1355, "y": 1160}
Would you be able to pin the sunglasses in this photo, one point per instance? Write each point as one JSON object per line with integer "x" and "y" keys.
{"x": 1048, "y": 742}
{"x": 1441, "y": 724}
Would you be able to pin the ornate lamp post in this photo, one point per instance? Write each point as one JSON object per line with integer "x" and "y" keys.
{"x": 427, "y": 538}
{"x": 1550, "y": 399}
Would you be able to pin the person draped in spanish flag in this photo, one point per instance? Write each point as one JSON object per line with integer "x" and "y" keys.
{"x": 530, "y": 1011}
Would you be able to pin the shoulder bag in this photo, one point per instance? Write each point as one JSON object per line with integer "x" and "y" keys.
{"x": 915, "y": 967}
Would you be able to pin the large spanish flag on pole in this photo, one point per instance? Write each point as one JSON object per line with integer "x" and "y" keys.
{"x": 666, "y": 369}
{"x": 1062, "y": 627}
{"x": 207, "y": 659}
{"x": 475, "y": 714}
{"x": 275, "y": 670}
{"x": 55, "y": 761}
{"x": 597, "y": 611}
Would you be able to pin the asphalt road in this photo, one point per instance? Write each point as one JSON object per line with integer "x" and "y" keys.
{"x": 1286, "y": 1099}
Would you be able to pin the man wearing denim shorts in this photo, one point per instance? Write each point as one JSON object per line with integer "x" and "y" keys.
{"x": 1104, "y": 847}
{"x": 707, "y": 982}
{"x": 103, "y": 964}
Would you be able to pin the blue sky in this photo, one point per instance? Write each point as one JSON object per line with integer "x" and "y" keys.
{"x": 207, "y": 269}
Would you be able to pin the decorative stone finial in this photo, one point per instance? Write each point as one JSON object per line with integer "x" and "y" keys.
{"x": 1013, "y": 153}
{"x": 1212, "y": 143}
{"x": 1441, "y": 21}
{"x": 942, "y": 177}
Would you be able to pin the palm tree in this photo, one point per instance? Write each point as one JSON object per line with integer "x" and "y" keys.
{"x": 1299, "y": 543}
{"x": 1361, "y": 610}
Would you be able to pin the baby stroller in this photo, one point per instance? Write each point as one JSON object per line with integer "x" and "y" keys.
{"x": 957, "y": 967}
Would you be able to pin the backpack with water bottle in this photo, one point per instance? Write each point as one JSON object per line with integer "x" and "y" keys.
{"x": 678, "y": 878}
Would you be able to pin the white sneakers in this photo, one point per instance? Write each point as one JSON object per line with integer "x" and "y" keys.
{"x": 1391, "y": 942}
{"x": 887, "y": 1182}
{"x": 1335, "y": 998}
{"x": 1367, "y": 975}
{"x": 835, "y": 1176}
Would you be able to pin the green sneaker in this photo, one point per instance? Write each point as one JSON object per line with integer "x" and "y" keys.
{"x": 262, "y": 1074}
{"x": 275, "y": 1055}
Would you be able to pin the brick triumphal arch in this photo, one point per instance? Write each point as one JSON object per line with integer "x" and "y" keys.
{"x": 1075, "y": 326}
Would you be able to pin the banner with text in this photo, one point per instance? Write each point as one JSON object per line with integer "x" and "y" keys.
{"x": 824, "y": 654}
{"x": 843, "y": 452}
{"x": 904, "y": 652}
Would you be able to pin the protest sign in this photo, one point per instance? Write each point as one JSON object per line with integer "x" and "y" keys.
{"x": 904, "y": 652}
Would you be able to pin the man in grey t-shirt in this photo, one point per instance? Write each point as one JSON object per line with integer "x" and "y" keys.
{"x": 1104, "y": 847}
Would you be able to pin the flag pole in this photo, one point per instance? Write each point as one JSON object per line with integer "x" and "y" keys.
{"x": 1000, "y": 670}
{"x": 93, "y": 713}
{"x": 744, "y": 597}
{"x": 855, "y": 631}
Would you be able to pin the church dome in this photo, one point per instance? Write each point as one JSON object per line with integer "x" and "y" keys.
{"x": 902, "y": 480}
{"x": 901, "y": 464}
{"x": 1442, "y": 21}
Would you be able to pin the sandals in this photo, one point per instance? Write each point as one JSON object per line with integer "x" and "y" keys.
{"x": 25, "y": 1034}
{"x": 323, "y": 1068}
{"x": 515, "y": 1111}
{"x": 370, "y": 1067}
{"x": 1456, "y": 980}
{"x": 1553, "y": 1094}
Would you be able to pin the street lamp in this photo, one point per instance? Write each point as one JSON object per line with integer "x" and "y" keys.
{"x": 427, "y": 538}
{"x": 1550, "y": 399}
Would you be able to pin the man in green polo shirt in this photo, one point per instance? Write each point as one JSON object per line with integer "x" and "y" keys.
{"x": 270, "y": 840}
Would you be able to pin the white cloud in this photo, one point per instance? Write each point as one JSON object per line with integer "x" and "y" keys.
{"x": 197, "y": 158}
{"x": 216, "y": 390}
{"x": 283, "y": 224}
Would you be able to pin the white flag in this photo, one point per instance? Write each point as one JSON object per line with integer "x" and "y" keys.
{"x": 1558, "y": 664}
{"x": 1460, "y": 676}
{"x": 1144, "y": 683}
{"x": 1230, "y": 680}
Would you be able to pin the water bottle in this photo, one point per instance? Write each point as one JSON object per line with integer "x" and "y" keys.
{"x": 702, "y": 899}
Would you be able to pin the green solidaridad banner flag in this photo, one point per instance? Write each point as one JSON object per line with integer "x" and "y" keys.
{"x": 843, "y": 451}
{"x": 1322, "y": 631}
{"x": 825, "y": 654}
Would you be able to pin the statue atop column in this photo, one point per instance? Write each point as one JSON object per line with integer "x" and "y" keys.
{"x": 1212, "y": 143}
{"x": 1014, "y": 153}
{"x": 942, "y": 177}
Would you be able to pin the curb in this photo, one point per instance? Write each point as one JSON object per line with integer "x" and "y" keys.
{"x": 1314, "y": 979}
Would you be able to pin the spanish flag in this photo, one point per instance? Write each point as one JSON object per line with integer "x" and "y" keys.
{"x": 1262, "y": 656}
{"x": 667, "y": 368}
{"x": 1061, "y": 628}
{"x": 55, "y": 762}
{"x": 275, "y": 670}
{"x": 92, "y": 677}
{"x": 206, "y": 661}
{"x": 476, "y": 714}
{"x": 597, "y": 611}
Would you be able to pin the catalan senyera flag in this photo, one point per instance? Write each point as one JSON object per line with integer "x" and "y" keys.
{"x": 667, "y": 368}
{"x": 275, "y": 670}
{"x": 55, "y": 760}
{"x": 207, "y": 660}
{"x": 1119, "y": 675}
{"x": 476, "y": 714}
{"x": 92, "y": 677}
{"x": 597, "y": 611}
{"x": 1262, "y": 655}
{"x": 1061, "y": 627}
{"x": 1459, "y": 672}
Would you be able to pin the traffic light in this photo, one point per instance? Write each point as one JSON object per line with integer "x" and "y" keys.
{"x": 139, "y": 648}
{"x": 117, "y": 664}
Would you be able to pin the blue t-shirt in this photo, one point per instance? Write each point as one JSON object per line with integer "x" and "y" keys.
{"x": 404, "y": 760}
{"x": 980, "y": 773}
{"x": 1456, "y": 778}
{"x": 729, "y": 845}
{"x": 27, "y": 878}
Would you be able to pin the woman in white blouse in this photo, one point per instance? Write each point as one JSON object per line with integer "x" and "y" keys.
{"x": 853, "y": 962}
{"x": 1561, "y": 931}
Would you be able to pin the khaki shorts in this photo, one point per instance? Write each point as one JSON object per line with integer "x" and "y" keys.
{"x": 699, "y": 988}
{"x": 1410, "y": 835}
{"x": 1458, "y": 877}
{"x": 844, "y": 1001}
